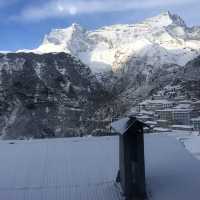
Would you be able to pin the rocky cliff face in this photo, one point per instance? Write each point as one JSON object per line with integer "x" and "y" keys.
{"x": 190, "y": 78}
{"x": 47, "y": 95}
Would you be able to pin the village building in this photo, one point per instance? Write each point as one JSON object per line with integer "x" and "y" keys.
{"x": 152, "y": 123}
{"x": 180, "y": 98}
{"x": 163, "y": 123}
{"x": 181, "y": 116}
{"x": 196, "y": 123}
{"x": 196, "y": 106}
{"x": 182, "y": 127}
{"x": 144, "y": 118}
{"x": 173, "y": 91}
{"x": 176, "y": 116}
{"x": 155, "y": 104}
{"x": 165, "y": 115}
{"x": 183, "y": 106}
{"x": 185, "y": 102}
{"x": 161, "y": 130}
{"x": 157, "y": 97}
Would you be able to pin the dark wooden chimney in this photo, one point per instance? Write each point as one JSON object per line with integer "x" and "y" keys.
{"x": 131, "y": 175}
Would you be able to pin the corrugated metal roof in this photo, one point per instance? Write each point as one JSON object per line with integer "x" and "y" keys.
{"x": 59, "y": 169}
{"x": 86, "y": 168}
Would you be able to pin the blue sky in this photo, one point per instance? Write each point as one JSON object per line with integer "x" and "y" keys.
{"x": 23, "y": 23}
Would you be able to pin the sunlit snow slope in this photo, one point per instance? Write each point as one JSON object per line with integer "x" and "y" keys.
{"x": 159, "y": 40}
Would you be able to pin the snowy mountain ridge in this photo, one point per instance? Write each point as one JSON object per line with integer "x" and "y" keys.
{"x": 163, "y": 39}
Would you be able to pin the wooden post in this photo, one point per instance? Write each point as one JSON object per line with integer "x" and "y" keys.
{"x": 131, "y": 158}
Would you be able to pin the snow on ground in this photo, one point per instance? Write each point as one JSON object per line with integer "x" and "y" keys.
{"x": 189, "y": 139}
{"x": 172, "y": 173}
{"x": 86, "y": 168}
{"x": 192, "y": 144}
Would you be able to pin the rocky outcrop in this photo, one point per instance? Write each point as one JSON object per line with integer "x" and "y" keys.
{"x": 47, "y": 95}
{"x": 190, "y": 78}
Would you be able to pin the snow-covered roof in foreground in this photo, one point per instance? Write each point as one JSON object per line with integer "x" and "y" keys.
{"x": 80, "y": 169}
{"x": 172, "y": 173}
{"x": 59, "y": 169}
{"x": 192, "y": 143}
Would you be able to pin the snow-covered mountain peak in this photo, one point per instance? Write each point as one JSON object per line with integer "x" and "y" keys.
{"x": 165, "y": 19}
{"x": 158, "y": 40}
{"x": 57, "y": 36}
{"x": 77, "y": 27}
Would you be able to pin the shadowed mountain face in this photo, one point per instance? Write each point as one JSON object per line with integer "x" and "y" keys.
{"x": 190, "y": 77}
{"x": 47, "y": 95}
{"x": 56, "y": 95}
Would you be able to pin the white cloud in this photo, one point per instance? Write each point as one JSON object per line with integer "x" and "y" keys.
{"x": 63, "y": 8}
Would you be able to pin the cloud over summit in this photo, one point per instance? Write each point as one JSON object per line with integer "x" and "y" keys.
{"x": 63, "y": 8}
